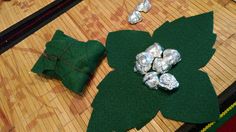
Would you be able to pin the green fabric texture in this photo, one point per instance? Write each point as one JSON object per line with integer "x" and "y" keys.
{"x": 124, "y": 102}
{"x": 71, "y": 61}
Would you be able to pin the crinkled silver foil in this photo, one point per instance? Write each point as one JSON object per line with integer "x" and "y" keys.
{"x": 142, "y": 69}
{"x": 145, "y": 6}
{"x": 143, "y": 62}
{"x": 145, "y": 58}
{"x": 171, "y": 56}
{"x": 151, "y": 80}
{"x": 161, "y": 62}
{"x": 155, "y": 49}
{"x": 135, "y": 17}
{"x": 160, "y": 66}
{"x": 168, "y": 81}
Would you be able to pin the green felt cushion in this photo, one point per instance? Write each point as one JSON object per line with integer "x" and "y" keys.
{"x": 71, "y": 61}
{"x": 124, "y": 102}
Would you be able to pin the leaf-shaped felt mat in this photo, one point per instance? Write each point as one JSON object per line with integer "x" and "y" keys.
{"x": 124, "y": 102}
{"x": 69, "y": 60}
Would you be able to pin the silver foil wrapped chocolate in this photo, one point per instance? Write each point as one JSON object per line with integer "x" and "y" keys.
{"x": 145, "y": 6}
{"x": 141, "y": 69}
{"x": 168, "y": 81}
{"x": 160, "y": 66}
{"x": 134, "y": 17}
{"x": 161, "y": 62}
{"x": 155, "y": 49}
{"x": 151, "y": 80}
{"x": 143, "y": 62}
{"x": 171, "y": 56}
{"x": 144, "y": 58}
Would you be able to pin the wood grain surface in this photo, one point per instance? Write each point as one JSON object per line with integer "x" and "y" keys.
{"x": 29, "y": 102}
{"x": 13, "y": 11}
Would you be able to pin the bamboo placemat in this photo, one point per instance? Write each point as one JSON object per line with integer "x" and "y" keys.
{"x": 13, "y": 11}
{"x": 29, "y": 102}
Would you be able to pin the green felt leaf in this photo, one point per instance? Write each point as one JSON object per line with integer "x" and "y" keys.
{"x": 69, "y": 60}
{"x": 124, "y": 102}
{"x": 199, "y": 97}
{"x": 192, "y": 37}
{"x": 194, "y": 102}
{"x": 122, "y": 49}
{"x": 119, "y": 112}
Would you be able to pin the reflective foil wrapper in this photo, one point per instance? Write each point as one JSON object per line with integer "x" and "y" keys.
{"x": 143, "y": 62}
{"x": 145, "y": 6}
{"x": 160, "y": 65}
{"x": 171, "y": 56}
{"x": 155, "y": 62}
{"x": 155, "y": 49}
{"x": 142, "y": 69}
{"x": 168, "y": 81}
{"x": 151, "y": 80}
{"x": 135, "y": 17}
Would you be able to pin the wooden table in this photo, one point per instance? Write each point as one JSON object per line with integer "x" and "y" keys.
{"x": 29, "y": 102}
{"x": 13, "y": 11}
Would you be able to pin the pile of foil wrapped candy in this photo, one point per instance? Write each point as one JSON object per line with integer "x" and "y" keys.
{"x": 154, "y": 63}
{"x": 136, "y": 16}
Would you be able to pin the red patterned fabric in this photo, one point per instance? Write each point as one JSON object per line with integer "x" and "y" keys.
{"x": 229, "y": 126}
